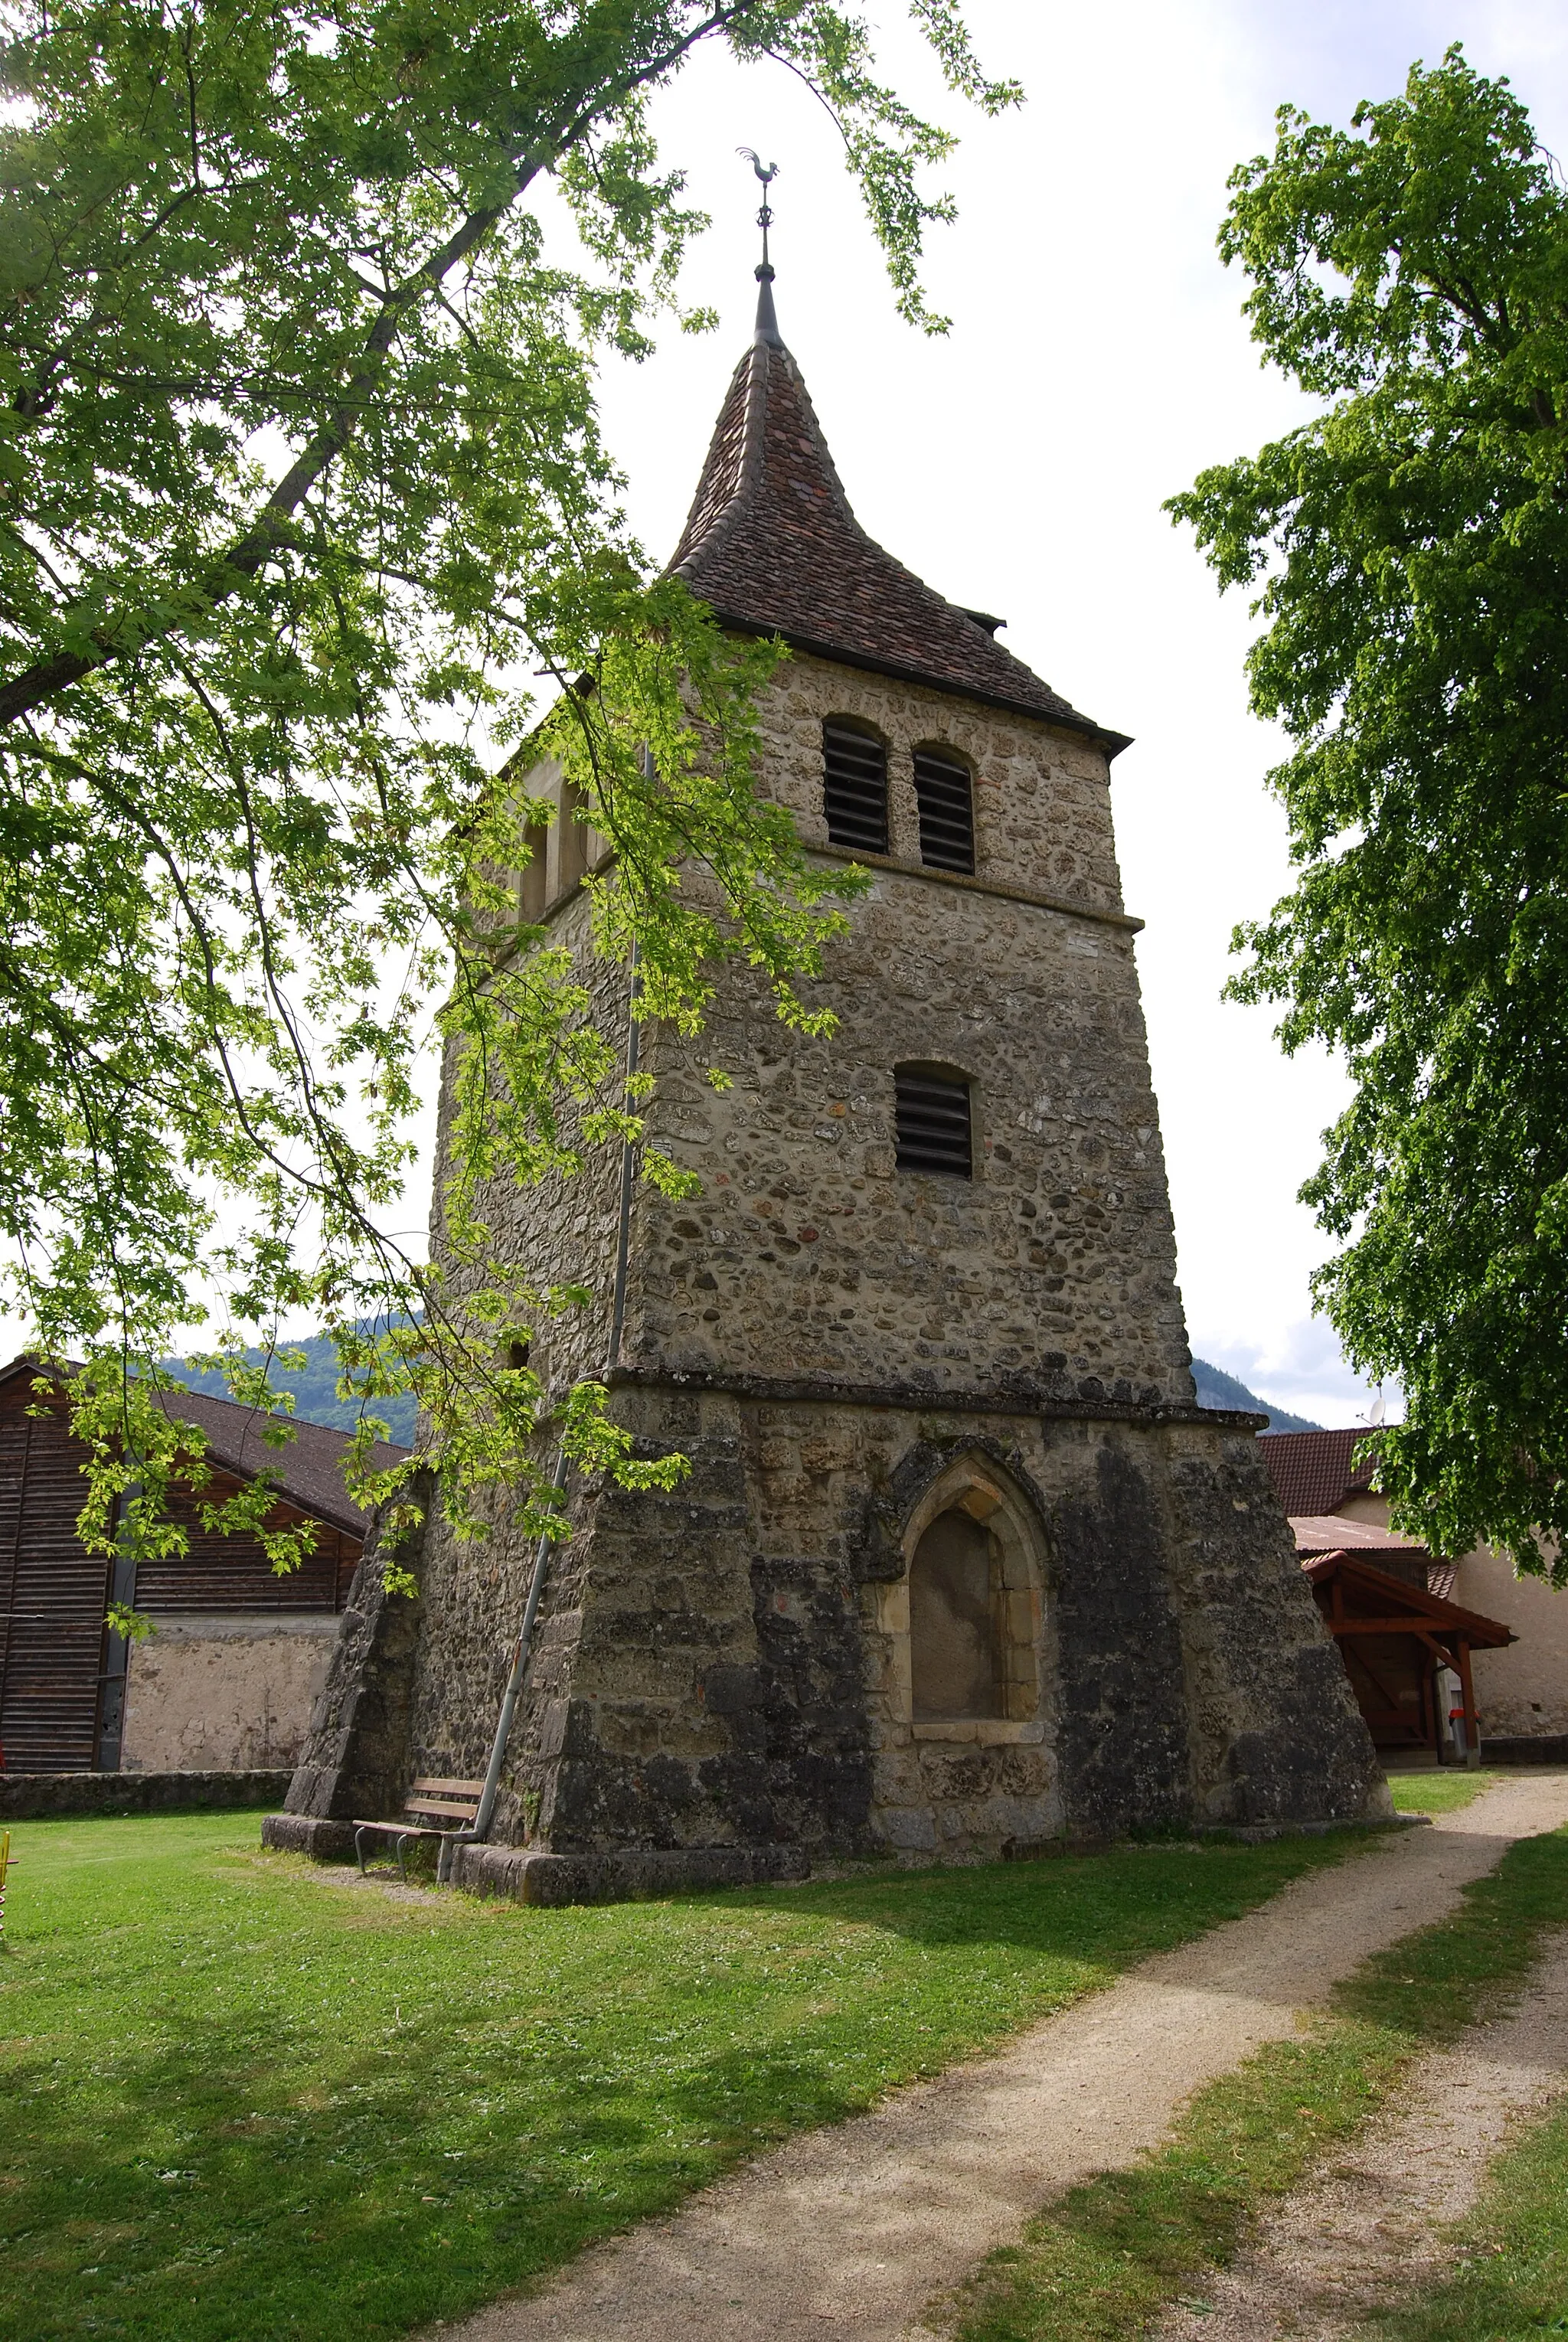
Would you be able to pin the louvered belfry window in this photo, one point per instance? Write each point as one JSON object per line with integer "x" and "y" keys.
{"x": 931, "y": 1117}
{"x": 946, "y": 800}
{"x": 855, "y": 789}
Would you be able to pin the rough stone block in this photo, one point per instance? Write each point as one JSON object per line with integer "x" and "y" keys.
{"x": 309, "y": 1834}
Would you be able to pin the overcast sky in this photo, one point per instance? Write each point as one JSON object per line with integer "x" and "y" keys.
{"x": 1097, "y": 361}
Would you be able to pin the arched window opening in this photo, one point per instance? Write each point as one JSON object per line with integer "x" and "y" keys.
{"x": 945, "y": 795}
{"x": 855, "y": 786}
{"x": 957, "y": 1622}
{"x": 932, "y": 1122}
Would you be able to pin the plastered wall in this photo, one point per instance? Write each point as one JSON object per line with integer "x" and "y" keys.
{"x": 224, "y": 1694}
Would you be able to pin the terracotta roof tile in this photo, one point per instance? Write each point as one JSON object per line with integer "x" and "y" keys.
{"x": 772, "y": 544}
{"x": 1313, "y": 1471}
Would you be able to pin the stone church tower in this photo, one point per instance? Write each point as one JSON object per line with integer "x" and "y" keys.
{"x": 961, "y": 1568}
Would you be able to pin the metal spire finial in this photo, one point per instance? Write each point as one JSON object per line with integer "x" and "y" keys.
{"x": 767, "y": 322}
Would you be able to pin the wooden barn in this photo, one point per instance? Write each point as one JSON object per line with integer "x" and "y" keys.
{"x": 226, "y": 1680}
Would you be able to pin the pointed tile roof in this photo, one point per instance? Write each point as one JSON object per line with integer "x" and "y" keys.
{"x": 1315, "y": 1472}
{"x": 772, "y": 545}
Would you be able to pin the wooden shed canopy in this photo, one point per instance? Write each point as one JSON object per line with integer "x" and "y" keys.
{"x": 1366, "y": 1600}
{"x": 1394, "y": 1636}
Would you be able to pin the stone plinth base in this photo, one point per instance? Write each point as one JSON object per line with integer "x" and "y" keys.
{"x": 323, "y": 1841}
{"x": 38, "y": 1796}
{"x": 550, "y": 1880}
{"x": 1548, "y": 1749}
{"x": 626, "y": 1876}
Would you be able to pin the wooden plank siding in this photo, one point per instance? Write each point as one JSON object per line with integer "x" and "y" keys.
{"x": 55, "y": 1595}
{"x": 56, "y": 1654}
{"x": 232, "y": 1573}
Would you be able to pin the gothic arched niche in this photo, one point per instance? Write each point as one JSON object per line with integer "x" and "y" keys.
{"x": 956, "y": 1627}
{"x": 973, "y": 1593}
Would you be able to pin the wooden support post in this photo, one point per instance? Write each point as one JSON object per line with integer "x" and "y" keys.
{"x": 1472, "y": 1721}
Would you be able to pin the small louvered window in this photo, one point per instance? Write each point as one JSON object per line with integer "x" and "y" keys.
{"x": 946, "y": 801}
{"x": 932, "y": 1114}
{"x": 855, "y": 790}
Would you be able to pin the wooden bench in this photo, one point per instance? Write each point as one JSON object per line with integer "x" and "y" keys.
{"x": 428, "y": 1805}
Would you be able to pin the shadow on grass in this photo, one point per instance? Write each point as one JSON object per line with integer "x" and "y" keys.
{"x": 247, "y": 2109}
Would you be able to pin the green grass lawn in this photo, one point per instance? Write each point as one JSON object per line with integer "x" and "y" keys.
{"x": 241, "y": 2102}
{"x": 1099, "y": 2266}
{"x": 1444, "y": 1791}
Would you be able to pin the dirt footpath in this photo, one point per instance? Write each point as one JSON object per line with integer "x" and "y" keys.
{"x": 1367, "y": 2233}
{"x": 849, "y": 2232}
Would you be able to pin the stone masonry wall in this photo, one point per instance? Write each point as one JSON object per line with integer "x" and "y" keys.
{"x": 1053, "y": 1270}
{"x": 728, "y": 1665}
{"x": 558, "y": 1232}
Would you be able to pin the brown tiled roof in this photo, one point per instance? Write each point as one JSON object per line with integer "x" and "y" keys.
{"x": 1313, "y": 1471}
{"x": 772, "y": 545}
{"x": 308, "y": 1471}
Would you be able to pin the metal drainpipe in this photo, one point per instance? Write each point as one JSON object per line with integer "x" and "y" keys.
{"x": 475, "y": 1832}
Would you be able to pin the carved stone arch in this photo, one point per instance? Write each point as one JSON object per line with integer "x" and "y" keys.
{"x": 974, "y": 1556}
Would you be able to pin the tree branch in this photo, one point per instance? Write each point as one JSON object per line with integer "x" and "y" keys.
{"x": 117, "y": 637}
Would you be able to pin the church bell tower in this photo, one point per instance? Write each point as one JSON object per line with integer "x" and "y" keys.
{"x": 959, "y": 1570}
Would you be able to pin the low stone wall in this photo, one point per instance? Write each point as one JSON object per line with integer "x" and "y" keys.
{"x": 1547, "y": 1748}
{"x": 38, "y": 1796}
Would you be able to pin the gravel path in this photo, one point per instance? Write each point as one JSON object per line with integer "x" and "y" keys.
{"x": 844, "y": 2235}
{"x": 1366, "y": 2233}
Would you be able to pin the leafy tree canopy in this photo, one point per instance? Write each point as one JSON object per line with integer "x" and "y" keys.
{"x": 1410, "y": 549}
{"x": 300, "y": 491}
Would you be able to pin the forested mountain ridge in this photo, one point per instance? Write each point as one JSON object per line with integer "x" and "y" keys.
{"x": 315, "y": 1399}
{"x": 1217, "y": 1388}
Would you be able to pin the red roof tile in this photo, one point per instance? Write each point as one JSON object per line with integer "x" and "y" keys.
{"x": 1313, "y": 1471}
{"x": 772, "y": 544}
